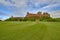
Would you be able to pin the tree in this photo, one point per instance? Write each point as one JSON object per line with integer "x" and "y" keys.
{"x": 0, "y": 20}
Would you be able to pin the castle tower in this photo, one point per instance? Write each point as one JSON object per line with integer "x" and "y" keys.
{"x": 27, "y": 13}
{"x": 39, "y": 14}
{"x": 45, "y": 14}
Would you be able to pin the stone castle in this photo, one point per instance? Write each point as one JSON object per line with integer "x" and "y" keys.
{"x": 36, "y": 16}
{"x": 39, "y": 14}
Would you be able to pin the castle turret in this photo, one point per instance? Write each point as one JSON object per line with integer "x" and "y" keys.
{"x": 27, "y": 12}
{"x": 39, "y": 13}
{"x": 46, "y": 14}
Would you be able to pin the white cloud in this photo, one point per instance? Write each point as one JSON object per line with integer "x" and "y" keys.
{"x": 50, "y": 6}
{"x": 39, "y": 2}
{"x": 23, "y": 2}
{"x": 17, "y": 3}
{"x": 5, "y": 3}
{"x": 55, "y": 14}
{"x": 21, "y": 5}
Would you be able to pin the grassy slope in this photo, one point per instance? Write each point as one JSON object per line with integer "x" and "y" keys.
{"x": 29, "y": 31}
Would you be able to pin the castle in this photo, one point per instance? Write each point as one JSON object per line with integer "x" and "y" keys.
{"x": 36, "y": 16}
{"x": 39, "y": 14}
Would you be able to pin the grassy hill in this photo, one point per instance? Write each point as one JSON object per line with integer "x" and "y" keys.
{"x": 29, "y": 30}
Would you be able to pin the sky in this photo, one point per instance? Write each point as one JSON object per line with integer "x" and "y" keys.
{"x": 19, "y": 8}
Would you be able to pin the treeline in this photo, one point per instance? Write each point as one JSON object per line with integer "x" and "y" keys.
{"x": 0, "y": 20}
{"x": 56, "y": 19}
{"x": 49, "y": 19}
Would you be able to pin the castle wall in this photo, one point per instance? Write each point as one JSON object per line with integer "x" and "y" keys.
{"x": 39, "y": 14}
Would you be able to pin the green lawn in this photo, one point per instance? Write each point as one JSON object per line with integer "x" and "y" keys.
{"x": 29, "y": 30}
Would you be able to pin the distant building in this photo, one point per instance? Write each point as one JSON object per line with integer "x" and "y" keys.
{"x": 36, "y": 16}
{"x": 16, "y": 18}
{"x": 39, "y": 14}
{"x": 45, "y": 14}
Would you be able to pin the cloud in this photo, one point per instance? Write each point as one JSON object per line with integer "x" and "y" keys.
{"x": 17, "y": 3}
{"x": 20, "y": 7}
{"x": 16, "y": 7}
{"x": 55, "y": 14}
{"x": 52, "y": 7}
{"x": 3, "y": 16}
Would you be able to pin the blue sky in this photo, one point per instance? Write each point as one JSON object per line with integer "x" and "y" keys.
{"x": 18, "y": 8}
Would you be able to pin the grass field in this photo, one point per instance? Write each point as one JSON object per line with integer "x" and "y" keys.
{"x": 29, "y": 30}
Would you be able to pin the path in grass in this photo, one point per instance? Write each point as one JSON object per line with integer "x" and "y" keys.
{"x": 29, "y": 31}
